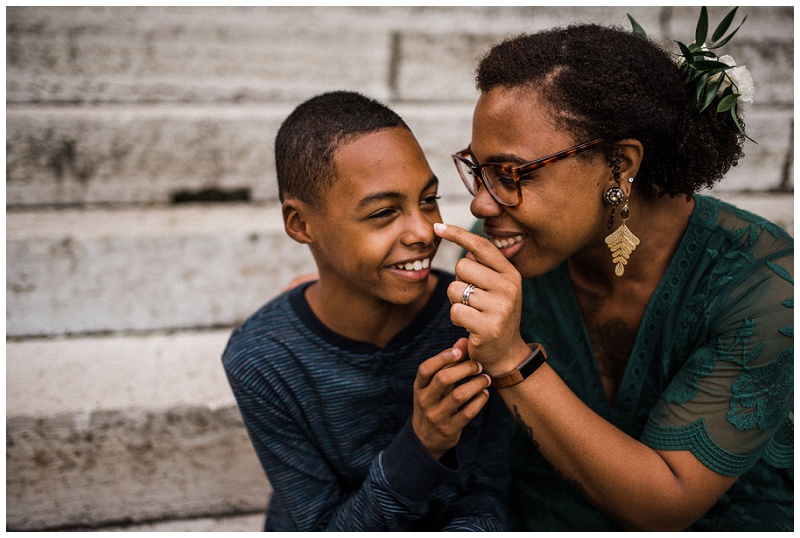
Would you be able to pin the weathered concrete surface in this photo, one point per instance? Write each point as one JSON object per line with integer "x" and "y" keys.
{"x": 78, "y": 271}
{"x": 164, "y": 100}
{"x": 244, "y": 523}
{"x": 80, "y": 375}
{"x": 150, "y": 154}
{"x": 111, "y": 430}
{"x": 155, "y": 54}
{"x": 118, "y": 466}
{"x": 88, "y": 271}
{"x": 138, "y": 154}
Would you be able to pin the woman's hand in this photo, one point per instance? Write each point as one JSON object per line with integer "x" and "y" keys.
{"x": 492, "y": 315}
{"x": 442, "y": 408}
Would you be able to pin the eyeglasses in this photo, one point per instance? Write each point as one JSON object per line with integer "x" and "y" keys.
{"x": 502, "y": 180}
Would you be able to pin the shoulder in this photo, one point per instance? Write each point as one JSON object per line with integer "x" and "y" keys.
{"x": 743, "y": 229}
{"x": 739, "y": 245}
{"x": 262, "y": 336}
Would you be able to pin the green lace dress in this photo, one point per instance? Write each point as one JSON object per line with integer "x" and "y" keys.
{"x": 711, "y": 371}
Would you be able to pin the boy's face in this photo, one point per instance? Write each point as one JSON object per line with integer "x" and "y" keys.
{"x": 374, "y": 237}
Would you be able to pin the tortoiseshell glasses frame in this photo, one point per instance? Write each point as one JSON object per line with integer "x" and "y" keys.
{"x": 502, "y": 180}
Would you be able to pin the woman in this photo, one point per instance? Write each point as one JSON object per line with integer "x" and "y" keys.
{"x": 666, "y": 317}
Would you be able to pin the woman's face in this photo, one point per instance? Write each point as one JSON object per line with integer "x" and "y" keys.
{"x": 562, "y": 210}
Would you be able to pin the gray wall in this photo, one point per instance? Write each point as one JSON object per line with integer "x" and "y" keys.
{"x": 119, "y": 300}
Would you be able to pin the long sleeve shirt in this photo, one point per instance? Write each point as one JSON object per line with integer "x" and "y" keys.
{"x": 330, "y": 420}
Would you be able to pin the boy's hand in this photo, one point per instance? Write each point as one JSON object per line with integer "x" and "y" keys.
{"x": 442, "y": 409}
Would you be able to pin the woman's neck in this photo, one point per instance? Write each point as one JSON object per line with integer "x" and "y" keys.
{"x": 659, "y": 224}
{"x": 613, "y": 306}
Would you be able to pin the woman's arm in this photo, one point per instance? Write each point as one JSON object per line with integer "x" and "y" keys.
{"x": 641, "y": 487}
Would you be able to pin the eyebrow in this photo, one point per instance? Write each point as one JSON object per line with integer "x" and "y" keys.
{"x": 503, "y": 158}
{"x": 500, "y": 158}
{"x": 382, "y": 196}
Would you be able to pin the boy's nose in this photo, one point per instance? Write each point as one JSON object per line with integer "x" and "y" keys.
{"x": 419, "y": 230}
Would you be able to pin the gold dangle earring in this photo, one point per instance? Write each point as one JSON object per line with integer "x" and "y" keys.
{"x": 621, "y": 242}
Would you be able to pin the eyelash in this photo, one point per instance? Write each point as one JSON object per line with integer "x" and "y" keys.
{"x": 385, "y": 213}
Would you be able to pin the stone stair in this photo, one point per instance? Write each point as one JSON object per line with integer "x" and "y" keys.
{"x": 142, "y": 221}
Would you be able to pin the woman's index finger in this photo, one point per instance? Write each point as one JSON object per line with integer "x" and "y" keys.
{"x": 484, "y": 251}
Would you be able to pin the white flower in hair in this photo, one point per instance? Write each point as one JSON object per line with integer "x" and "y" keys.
{"x": 742, "y": 81}
{"x": 714, "y": 82}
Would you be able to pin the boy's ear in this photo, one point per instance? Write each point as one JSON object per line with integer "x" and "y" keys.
{"x": 294, "y": 220}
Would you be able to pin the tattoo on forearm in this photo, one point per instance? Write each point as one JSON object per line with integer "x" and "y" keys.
{"x": 524, "y": 426}
{"x": 529, "y": 431}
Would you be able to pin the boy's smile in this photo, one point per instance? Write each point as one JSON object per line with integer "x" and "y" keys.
{"x": 416, "y": 268}
{"x": 373, "y": 240}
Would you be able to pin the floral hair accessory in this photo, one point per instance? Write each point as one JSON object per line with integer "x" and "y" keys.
{"x": 710, "y": 77}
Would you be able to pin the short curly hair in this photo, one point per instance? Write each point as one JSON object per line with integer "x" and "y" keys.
{"x": 309, "y": 137}
{"x": 604, "y": 82}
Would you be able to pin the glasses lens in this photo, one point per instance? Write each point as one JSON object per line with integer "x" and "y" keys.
{"x": 502, "y": 185}
{"x": 469, "y": 179}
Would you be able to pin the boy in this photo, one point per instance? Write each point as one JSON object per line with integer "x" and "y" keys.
{"x": 354, "y": 425}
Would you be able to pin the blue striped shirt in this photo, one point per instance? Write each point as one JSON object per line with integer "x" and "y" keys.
{"x": 330, "y": 420}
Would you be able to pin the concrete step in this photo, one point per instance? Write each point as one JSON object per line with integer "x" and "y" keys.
{"x": 136, "y": 154}
{"x": 145, "y": 269}
{"x": 156, "y": 154}
{"x": 243, "y": 523}
{"x": 116, "y": 430}
{"x": 154, "y": 54}
{"x": 151, "y": 269}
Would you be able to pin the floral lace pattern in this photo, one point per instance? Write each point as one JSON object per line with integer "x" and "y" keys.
{"x": 755, "y": 392}
{"x": 751, "y": 346}
{"x": 711, "y": 370}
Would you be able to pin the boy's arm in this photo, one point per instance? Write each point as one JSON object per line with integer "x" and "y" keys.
{"x": 485, "y": 505}
{"x": 446, "y": 400}
{"x": 393, "y": 496}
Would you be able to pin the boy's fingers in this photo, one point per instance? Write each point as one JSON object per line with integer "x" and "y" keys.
{"x": 471, "y": 409}
{"x": 458, "y": 406}
{"x": 465, "y": 392}
{"x": 445, "y": 379}
{"x": 428, "y": 369}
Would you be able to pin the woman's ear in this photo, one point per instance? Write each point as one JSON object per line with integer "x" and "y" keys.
{"x": 294, "y": 220}
{"x": 631, "y": 152}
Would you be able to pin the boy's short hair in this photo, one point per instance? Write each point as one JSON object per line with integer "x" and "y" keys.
{"x": 310, "y": 136}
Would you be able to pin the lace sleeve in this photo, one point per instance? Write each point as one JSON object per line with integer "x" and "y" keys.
{"x": 731, "y": 401}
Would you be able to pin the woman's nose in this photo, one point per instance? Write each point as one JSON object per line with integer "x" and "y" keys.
{"x": 483, "y": 205}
